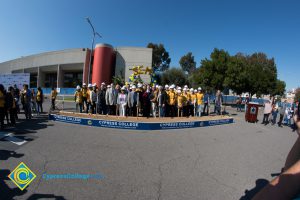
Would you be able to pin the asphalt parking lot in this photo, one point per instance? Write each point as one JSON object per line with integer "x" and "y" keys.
{"x": 222, "y": 162}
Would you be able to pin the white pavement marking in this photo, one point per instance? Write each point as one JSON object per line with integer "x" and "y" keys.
{"x": 10, "y": 137}
{"x": 3, "y": 135}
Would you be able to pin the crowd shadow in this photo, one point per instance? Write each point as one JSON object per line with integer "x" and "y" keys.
{"x": 30, "y": 126}
{"x": 259, "y": 184}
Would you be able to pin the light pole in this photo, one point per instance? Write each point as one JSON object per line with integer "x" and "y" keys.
{"x": 94, "y": 35}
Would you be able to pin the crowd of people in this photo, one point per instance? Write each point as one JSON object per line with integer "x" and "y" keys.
{"x": 276, "y": 107}
{"x": 13, "y": 97}
{"x": 144, "y": 100}
{"x": 275, "y": 111}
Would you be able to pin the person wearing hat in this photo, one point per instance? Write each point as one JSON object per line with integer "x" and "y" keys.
{"x": 122, "y": 102}
{"x": 101, "y": 102}
{"x": 167, "y": 107}
{"x": 93, "y": 98}
{"x": 186, "y": 102}
{"x": 88, "y": 97}
{"x": 146, "y": 101}
{"x": 127, "y": 91}
{"x": 140, "y": 92}
{"x": 199, "y": 97}
{"x": 111, "y": 99}
{"x": 172, "y": 101}
{"x": 117, "y": 92}
{"x": 78, "y": 99}
{"x": 193, "y": 102}
{"x": 153, "y": 99}
{"x": 162, "y": 101}
{"x": 133, "y": 98}
{"x": 180, "y": 103}
{"x": 84, "y": 96}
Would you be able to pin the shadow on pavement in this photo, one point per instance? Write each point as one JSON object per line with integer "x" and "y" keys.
{"x": 31, "y": 126}
{"x": 259, "y": 184}
{"x": 45, "y": 196}
{"x": 7, "y": 192}
{"x": 5, "y": 155}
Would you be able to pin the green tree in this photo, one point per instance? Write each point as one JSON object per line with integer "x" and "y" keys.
{"x": 236, "y": 76}
{"x": 187, "y": 63}
{"x": 174, "y": 76}
{"x": 212, "y": 72}
{"x": 279, "y": 88}
{"x": 262, "y": 74}
{"x": 160, "y": 57}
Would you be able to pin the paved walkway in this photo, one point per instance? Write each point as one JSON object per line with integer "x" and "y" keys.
{"x": 220, "y": 162}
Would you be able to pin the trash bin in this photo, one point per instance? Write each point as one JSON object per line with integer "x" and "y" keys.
{"x": 251, "y": 112}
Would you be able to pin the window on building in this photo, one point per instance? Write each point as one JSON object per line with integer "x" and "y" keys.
{"x": 72, "y": 79}
{"x": 33, "y": 81}
{"x": 51, "y": 80}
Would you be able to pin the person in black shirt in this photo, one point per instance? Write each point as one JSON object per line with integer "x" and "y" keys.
{"x": 101, "y": 102}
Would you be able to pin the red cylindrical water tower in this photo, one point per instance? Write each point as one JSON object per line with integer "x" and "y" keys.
{"x": 102, "y": 65}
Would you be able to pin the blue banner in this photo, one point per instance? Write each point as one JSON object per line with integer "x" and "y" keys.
{"x": 137, "y": 125}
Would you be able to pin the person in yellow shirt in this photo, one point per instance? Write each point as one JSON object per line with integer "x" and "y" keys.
{"x": 199, "y": 96}
{"x": 53, "y": 97}
{"x": 193, "y": 102}
{"x": 88, "y": 96}
{"x": 2, "y": 104}
{"x": 39, "y": 100}
{"x": 167, "y": 106}
{"x": 78, "y": 99}
{"x": 180, "y": 103}
{"x": 172, "y": 101}
{"x": 84, "y": 90}
{"x": 186, "y": 102}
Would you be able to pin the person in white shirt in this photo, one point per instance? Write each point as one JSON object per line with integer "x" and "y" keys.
{"x": 122, "y": 102}
{"x": 93, "y": 98}
{"x": 267, "y": 112}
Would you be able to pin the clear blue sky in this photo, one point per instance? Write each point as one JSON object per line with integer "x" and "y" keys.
{"x": 270, "y": 26}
